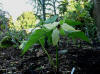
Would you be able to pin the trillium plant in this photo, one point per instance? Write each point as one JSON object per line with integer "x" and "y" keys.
{"x": 52, "y": 31}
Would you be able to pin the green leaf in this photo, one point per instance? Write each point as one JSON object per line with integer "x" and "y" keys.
{"x": 51, "y": 26}
{"x": 79, "y": 35}
{"x": 67, "y": 27}
{"x": 55, "y": 37}
{"x": 72, "y": 22}
{"x": 49, "y": 36}
{"x": 42, "y": 40}
{"x": 51, "y": 20}
{"x": 61, "y": 22}
{"x": 34, "y": 37}
{"x": 62, "y": 32}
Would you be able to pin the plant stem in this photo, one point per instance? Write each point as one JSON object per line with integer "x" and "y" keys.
{"x": 49, "y": 57}
{"x": 57, "y": 61}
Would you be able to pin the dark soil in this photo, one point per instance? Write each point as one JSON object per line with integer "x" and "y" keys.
{"x": 84, "y": 57}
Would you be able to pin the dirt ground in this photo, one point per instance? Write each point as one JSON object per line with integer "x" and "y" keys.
{"x": 83, "y": 57}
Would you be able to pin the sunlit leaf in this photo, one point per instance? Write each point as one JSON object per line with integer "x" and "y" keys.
{"x": 55, "y": 36}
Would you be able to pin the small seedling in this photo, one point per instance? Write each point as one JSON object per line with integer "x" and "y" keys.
{"x": 52, "y": 31}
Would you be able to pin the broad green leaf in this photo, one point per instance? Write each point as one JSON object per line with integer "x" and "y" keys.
{"x": 42, "y": 40}
{"x": 72, "y": 22}
{"x": 51, "y": 26}
{"x": 79, "y": 35}
{"x": 51, "y": 20}
{"x": 34, "y": 37}
{"x": 49, "y": 36}
{"x": 49, "y": 40}
{"x": 61, "y": 22}
{"x": 62, "y": 32}
{"x": 55, "y": 37}
{"x": 67, "y": 27}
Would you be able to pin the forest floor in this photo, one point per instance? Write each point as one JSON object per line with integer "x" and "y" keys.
{"x": 84, "y": 58}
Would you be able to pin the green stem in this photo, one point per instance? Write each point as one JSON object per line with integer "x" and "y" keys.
{"x": 57, "y": 61}
{"x": 49, "y": 57}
